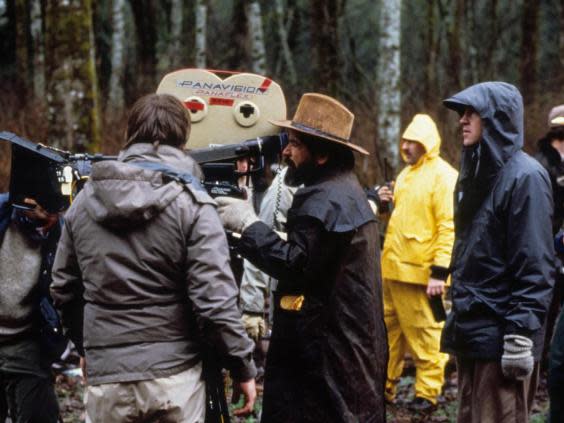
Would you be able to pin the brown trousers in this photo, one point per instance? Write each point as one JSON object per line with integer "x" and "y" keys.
{"x": 485, "y": 396}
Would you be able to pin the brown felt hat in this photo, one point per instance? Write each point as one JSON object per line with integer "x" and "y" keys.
{"x": 323, "y": 117}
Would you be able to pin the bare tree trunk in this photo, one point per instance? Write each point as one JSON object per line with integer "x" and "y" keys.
{"x": 23, "y": 48}
{"x": 201, "y": 33}
{"x": 256, "y": 36}
{"x": 455, "y": 47}
{"x": 237, "y": 56}
{"x": 431, "y": 65}
{"x": 472, "y": 49}
{"x": 325, "y": 34}
{"x": 145, "y": 15}
{"x": 529, "y": 26}
{"x": 494, "y": 41}
{"x": 175, "y": 49}
{"x": 562, "y": 32}
{"x": 283, "y": 34}
{"x": 115, "y": 97}
{"x": 37, "y": 29}
{"x": 71, "y": 76}
{"x": 389, "y": 100}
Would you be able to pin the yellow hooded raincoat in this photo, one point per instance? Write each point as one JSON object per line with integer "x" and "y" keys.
{"x": 421, "y": 229}
{"x": 420, "y": 235}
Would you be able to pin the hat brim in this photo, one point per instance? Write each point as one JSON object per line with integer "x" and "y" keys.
{"x": 289, "y": 125}
{"x": 557, "y": 122}
{"x": 455, "y": 105}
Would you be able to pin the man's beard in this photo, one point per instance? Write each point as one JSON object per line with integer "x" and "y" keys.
{"x": 303, "y": 174}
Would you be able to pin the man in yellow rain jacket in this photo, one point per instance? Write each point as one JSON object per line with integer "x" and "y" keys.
{"x": 415, "y": 260}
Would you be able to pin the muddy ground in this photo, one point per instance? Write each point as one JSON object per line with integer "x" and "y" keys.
{"x": 70, "y": 390}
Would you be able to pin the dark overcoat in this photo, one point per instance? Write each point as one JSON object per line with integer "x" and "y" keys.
{"x": 327, "y": 359}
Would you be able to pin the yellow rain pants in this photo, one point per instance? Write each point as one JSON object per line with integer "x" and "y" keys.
{"x": 411, "y": 327}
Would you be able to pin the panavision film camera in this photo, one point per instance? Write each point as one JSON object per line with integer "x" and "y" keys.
{"x": 230, "y": 122}
{"x": 229, "y": 125}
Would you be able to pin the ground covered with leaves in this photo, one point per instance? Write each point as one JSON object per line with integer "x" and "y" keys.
{"x": 70, "y": 389}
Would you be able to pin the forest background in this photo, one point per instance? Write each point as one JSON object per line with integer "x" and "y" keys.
{"x": 69, "y": 69}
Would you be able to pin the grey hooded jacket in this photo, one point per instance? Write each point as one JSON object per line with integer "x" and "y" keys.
{"x": 502, "y": 262}
{"x": 145, "y": 263}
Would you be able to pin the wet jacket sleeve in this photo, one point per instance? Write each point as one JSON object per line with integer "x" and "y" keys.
{"x": 213, "y": 294}
{"x": 444, "y": 221}
{"x": 530, "y": 255}
{"x": 306, "y": 253}
{"x": 67, "y": 288}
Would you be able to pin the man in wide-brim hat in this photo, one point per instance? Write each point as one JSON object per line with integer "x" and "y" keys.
{"x": 328, "y": 351}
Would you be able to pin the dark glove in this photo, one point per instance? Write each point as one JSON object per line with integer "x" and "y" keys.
{"x": 517, "y": 360}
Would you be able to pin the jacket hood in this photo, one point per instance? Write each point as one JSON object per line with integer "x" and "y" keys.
{"x": 500, "y": 106}
{"x": 121, "y": 194}
{"x": 423, "y": 130}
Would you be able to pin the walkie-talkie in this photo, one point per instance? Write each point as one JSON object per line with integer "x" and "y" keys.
{"x": 386, "y": 207}
{"x": 438, "y": 308}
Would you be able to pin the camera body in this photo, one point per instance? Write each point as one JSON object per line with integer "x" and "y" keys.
{"x": 50, "y": 176}
{"x": 230, "y": 120}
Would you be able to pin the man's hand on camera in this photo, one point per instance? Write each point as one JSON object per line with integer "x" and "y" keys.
{"x": 235, "y": 214}
{"x": 249, "y": 391}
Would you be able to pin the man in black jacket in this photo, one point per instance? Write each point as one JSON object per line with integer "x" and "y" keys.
{"x": 328, "y": 351}
{"x": 550, "y": 154}
{"x": 502, "y": 263}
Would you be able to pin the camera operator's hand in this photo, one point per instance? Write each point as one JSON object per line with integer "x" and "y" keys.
{"x": 236, "y": 215}
{"x": 517, "y": 360}
{"x": 254, "y": 325}
{"x": 249, "y": 391}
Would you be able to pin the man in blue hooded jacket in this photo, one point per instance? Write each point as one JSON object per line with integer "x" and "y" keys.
{"x": 502, "y": 262}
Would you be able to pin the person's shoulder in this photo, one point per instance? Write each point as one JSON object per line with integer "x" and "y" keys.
{"x": 444, "y": 174}
{"x": 339, "y": 203}
{"x": 443, "y": 167}
{"x": 524, "y": 169}
{"x": 336, "y": 187}
{"x": 77, "y": 206}
{"x": 524, "y": 164}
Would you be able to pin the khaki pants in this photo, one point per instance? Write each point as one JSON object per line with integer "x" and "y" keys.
{"x": 412, "y": 327}
{"x": 177, "y": 398}
{"x": 485, "y": 396}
